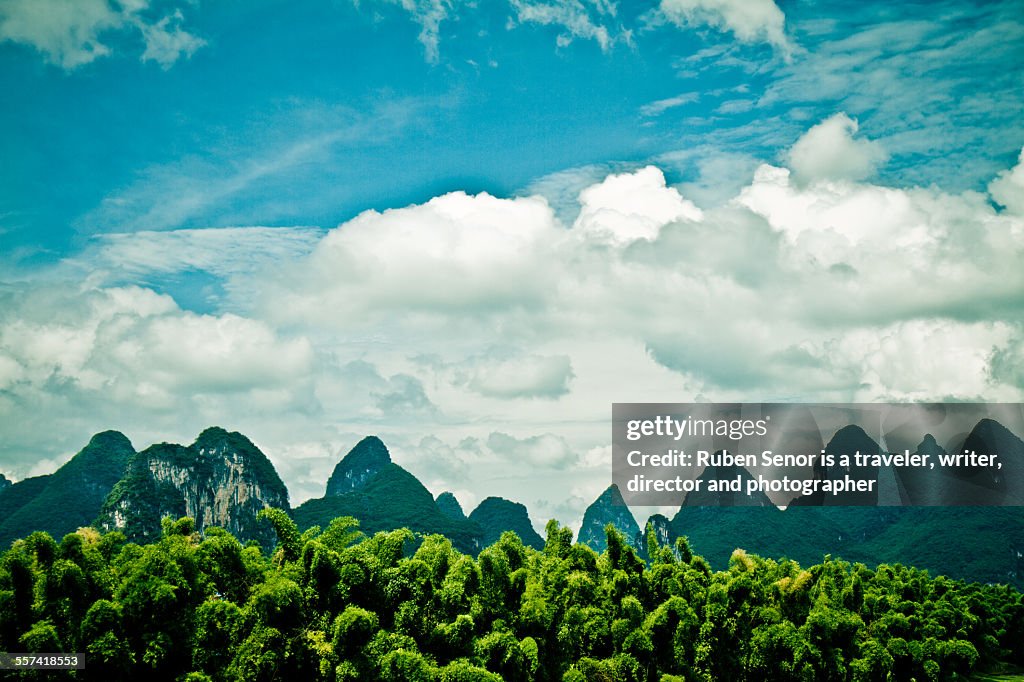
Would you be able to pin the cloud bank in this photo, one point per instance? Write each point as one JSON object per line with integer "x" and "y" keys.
{"x": 484, "y": 338}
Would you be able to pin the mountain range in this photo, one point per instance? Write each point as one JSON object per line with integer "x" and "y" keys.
{"x": 223, "y": 479}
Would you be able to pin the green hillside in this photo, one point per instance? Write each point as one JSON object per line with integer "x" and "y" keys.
{"x": 73, "y": 495}
{"x": 392, "y": 498}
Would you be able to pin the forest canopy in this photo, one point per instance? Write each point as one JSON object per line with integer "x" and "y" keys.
{"x": 331, "y": 604}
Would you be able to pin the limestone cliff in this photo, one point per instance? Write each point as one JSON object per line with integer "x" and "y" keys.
{"x": 220, "y": 480}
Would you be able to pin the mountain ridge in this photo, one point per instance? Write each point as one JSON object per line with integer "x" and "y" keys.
{"x": 377, "y": 490}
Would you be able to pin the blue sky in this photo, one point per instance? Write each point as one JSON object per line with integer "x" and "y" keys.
{"x": 308, "y": 113}
{"x": 722, "y": 153}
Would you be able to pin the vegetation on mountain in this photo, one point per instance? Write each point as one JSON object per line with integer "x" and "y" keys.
{"x": 221, "y": 479}
{"x": 609, "y": 507}
{"x": 972, "y": 543}
{"x": 496, "y": 515}
{"x": 331, "y": 604}
{"x": 450, "y": 506}
{"x": 392, "y": 498}
{"x": 363, "y": 462}
{"x": 71, "y": 496}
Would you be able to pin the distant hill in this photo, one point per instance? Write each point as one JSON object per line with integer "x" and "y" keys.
{"x": 17, "y": 495}
{"x": 450, "y": 506}
{"x": 362, "y": 463}
{"x": 368, "y": 486}
{"x": 609, "y": 507}
{"x": 222, "y": 479}
{"x": 495, "y": 515}
{"x": 70, "y": 497}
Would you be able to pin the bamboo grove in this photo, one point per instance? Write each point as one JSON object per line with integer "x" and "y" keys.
{"x": 332, "y": 605}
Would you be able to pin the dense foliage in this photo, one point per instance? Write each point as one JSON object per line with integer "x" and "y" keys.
{"x": 332, "y": 605}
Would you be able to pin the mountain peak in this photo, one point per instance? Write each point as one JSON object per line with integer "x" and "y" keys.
{"x": 109, "y": 439}
{"x": 214, "y": 438}
{"x": 450, "y": 506}
{"x": 609, "y": 507}
{"x": 846, "y": 442}
{"x": 222, "y": 479}
{"x": 71, "y": 496}
{"x": 362, "y": 463}
{"x": 495, "y": 515}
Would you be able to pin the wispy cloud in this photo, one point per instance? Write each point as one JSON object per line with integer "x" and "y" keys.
{"x": 584, "y": 20}
{"x": 237, "y": 181}
{"x": 72, "y": 34}
{"x": 750, "y": 21}
{"x": 662, "y": 105}
{"x": 912, "y": 82}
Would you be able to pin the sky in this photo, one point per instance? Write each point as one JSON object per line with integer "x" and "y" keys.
{"x": 470, "y": 227}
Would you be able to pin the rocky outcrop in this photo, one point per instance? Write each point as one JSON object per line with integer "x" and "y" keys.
{"x": 220, "y": 480}
{"x": 608, "y": 508}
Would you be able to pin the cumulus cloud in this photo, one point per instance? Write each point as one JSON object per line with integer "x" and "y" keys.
{"x": 530, "y": 376}
{"x": 76, "y": 361}
{"x": 485, "y": 332}
{"x": 829, "y": 151}
{"x": 456, "y": 252}
{"x": 132, "y": 344}
{"x": 749, "y": 20}
{"x": 546, "y": 450}
{"x": 1008, "y": 188}
{"x": 72, "y": 34}
{"x": 632, "y": 206}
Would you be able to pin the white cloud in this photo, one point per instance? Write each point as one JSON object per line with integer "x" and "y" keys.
{"x": 71, "y": 34}
{"x": 429, "y": 14}
{"x": 632, "y": 206}
{"x": 546, "y": 450}
{"x": 221, "y": 251}
{"x": 130, "y": 343}
{"x": 77, "y": 361}
{"x": 921, "y": 359}
{"x": 1008, "y": 188}
{"x": 253, "y": 175}
{"x": 530, "y": 376}
{"x": 67, "y": 33}
{"x": 750, "y": 20}
{"x": 475, "y": 333}
{"x": 660, "y": 106}
{"x": 456, "y": 252}
{"x": 902, "y": 76}
{"x": 166, "y": 42}
{"x": 579, "y": 19}
{"x": 828, "y": 151}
